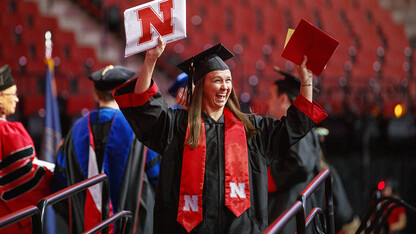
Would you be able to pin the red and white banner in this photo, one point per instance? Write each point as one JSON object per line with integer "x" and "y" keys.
{"x": 144, "y": 24}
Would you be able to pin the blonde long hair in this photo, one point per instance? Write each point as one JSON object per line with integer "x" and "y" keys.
{"x": 195, "y": 110}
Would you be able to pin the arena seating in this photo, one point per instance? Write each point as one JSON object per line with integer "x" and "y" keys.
{"x": 22, "y": 47}
{"x": 371, "y": 44}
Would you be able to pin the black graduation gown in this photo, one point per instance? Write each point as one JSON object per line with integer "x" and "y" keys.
{"x": 69, "y": 170}
{"x": 292, "y": 175}
{"x": 343, "y": 212}
{"x": 163, "y": 130}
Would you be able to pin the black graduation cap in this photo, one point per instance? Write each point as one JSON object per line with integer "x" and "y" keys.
{"x": 208, "y": 60}
{"x": 110, "y": 77}
{"x": 180, "y": 82}
{"x": 201, "y": 64}
{"x": 290, "y": 84}
{"x": 6, "y": 79}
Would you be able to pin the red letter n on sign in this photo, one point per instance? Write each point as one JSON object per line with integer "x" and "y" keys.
{"x": 149, "y": 17}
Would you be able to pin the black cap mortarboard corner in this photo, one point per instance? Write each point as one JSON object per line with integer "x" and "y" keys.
{"x": 110, "y": 77}
{"x": 208, "y": 60}
{"x": 6, "y": 79}
{"x": 290, "y": 83}
{"x": 180, "y": 82}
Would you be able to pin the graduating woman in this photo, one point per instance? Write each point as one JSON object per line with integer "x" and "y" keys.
{"x": 213, "y": 175}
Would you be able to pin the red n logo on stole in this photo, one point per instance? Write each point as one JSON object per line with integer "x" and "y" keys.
{"x": 149, "y": 17}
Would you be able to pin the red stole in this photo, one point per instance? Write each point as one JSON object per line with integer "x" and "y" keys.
{"x": 237, "y": 188}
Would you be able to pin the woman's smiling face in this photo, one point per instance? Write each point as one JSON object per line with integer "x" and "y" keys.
{"x": 217, "y": 89}
{"x": 8, "y": 101}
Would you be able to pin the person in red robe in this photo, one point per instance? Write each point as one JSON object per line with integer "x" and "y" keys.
{"x": 22, "y": 181}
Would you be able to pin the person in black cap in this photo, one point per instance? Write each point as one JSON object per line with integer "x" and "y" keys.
{"x": 177, "y": 89}
{"x": 103, "y": 142}
{"x": 213, "y": 176}
{"x": 288, "y": 178}
{"x": 22, "y": 182}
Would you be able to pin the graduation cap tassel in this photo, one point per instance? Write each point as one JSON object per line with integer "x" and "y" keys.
{"x": 189, "y": 82}
{"x": 188, "y": 89}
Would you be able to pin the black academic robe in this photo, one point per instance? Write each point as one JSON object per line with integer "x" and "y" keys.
{"x": 292, "y": 175}
{"x": 343, "y": 212}
{"x": 163, "y": 130}
{"x": 123, "y": 163}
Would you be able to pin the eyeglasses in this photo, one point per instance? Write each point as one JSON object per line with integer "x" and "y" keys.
{"x": 9, "y": 94}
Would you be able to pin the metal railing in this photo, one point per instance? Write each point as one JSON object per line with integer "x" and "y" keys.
{"x": 298, "y": 208}
{"x": 295, "y": 210}
{"x": 76, "y": 188}
{"x": 122, "y": 216}
{"x": 29, "y": 211}
{"x": 376, "y": 218}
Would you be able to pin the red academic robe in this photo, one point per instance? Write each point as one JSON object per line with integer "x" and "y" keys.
{"x": 22, "y": 183}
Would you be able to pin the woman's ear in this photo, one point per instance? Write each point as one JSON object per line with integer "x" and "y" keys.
{"x": 284, "y": 98}
{"x": 1, "y": 108}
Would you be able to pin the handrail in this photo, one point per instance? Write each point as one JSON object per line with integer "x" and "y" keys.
{"x": 29, "y": 211}
{"x": 383, "y": 222}
{"x": 122, "y": 215}
{"x": 379, "y": 212}
{"x": 314, "y": 184}
{"x": 323, "y": 176}
{"x": 284, "y": 218}
{"x": 73, "y": 189}
{"x": 314, "y": 212}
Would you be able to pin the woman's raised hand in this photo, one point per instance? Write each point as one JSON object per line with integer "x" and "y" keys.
{"x": 155, "y": 52}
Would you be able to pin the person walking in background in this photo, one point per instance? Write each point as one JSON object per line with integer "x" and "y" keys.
{"x": 177, "y": 90}
{"x": 103, "y": 142}
{"x": 398, "y": 219}
{"x": 345, "y": 220}
{"x": 213, "y": 176}
{"x": 289, "y": 177}
{"x": 23, "y": 181}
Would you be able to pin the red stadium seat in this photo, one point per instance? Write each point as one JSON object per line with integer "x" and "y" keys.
{"x": 396, "y": 71}
{"x": 75, "y": 104}
{"x": 15, "y": 51}
{"x": 82, "y": 53}
{"x": 347, "y": 4}
{"x": 46, "y": 23}
{"x": 62, "y": 84}
{"x": 33, "y": 36}
{"x": 313, "y": 4}
{"x": 32, "y": 104}
{"x": 301, "y": 13}
{"x": 36, "y": 67}
{"x": 63, "y": 42}
{"x": 70, "y": 68}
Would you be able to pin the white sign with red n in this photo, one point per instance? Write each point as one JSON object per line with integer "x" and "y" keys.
{"x": 143, "y": 24}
